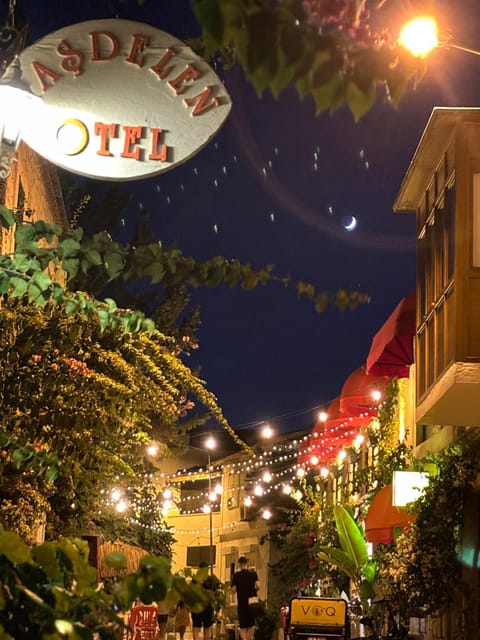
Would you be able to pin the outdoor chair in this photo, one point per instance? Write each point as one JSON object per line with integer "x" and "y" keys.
{"x": 143, "y": 623}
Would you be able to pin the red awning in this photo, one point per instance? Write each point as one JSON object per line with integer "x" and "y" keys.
{"x": 391, "y": 351}
{"x": 383, "y": 518}
{"x": 357, "y": 396}
{"x": 329, "y": 437}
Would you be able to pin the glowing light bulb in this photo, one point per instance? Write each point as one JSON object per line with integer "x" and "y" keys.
{"x": 322, "y": 416}
{"x": 314, "y": 461}
{"x": 300, "y": 472}
{"x": 167, "y": 494}
{"x": 376, "y": 395}
{"x": 116, "y": 494}
{"x": 121, "y": 506}
{"x": 248, "y": 501}
{"x": 359, "y": 441}
{"x": 152, "y": 450}
{"x": 419, "y": 36}
{"x": 206, "y": 508}
{"x": 218, "y": 489}
{"x": 258, "y": 490}
{"x": 324, "y": 472}
{"x": 267, "y": 476}
{"x": 266, "y": 514}
{"x": 287, "y": 489}
{"x": 211, "y": 443}
{"x": 267, "y": 431}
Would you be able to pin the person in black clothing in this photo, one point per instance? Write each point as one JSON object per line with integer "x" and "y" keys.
{"x": 245, "y": 584}
{"x": 206, "y": 617}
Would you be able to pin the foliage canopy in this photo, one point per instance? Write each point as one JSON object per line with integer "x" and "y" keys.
{"x": 334, "y": 52}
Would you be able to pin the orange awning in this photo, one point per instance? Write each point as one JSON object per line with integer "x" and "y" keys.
{"x": 383, "y": 518}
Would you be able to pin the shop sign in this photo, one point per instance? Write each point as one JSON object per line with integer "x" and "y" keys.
{"x": 121, "y": 100}
{"x": 317, "y": 612}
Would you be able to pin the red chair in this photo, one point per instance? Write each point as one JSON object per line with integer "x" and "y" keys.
{"x": 143, "y": 622}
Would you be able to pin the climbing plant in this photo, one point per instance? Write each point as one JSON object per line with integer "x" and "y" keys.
{"x": 92, "y": 397}
{"x": 421, "y": 573}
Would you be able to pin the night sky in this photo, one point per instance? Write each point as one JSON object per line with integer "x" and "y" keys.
{"x": 277, "y": 185}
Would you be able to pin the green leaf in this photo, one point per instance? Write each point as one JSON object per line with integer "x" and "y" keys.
{"x": 103, "y": 318}
{"x": 359, "y": 101}
{"x": 24, "y": 263}
{"x": 21, "y": 456}
{"x": 351, "y": 537}
{"x": 45, "y": 555}
{"x": 340, "y": 559}
{"x": 111, "y": 304}
{"x": 4, "y": 283}
{"x": 262, "y": 59}
{"x": 71, "y": 266}
{"x": 13, "y": 548}
{"x": 327, "y": 92}
{"x": 57, "y": 293}
{"x": 7, "y": 217}
{"x": 366, "y": 590}
{"x": 24, "y": 236}
{"x": 116, "y": 560}
{"x": 46, "y": 230}
{"x": 77, "y": 234}
{"x": 113, "y": 263}
{"x": 369, "y": 571}
{"x": 209, "y": 16}
{"x": 19, "y": 287}
{"x": 156, "y": 271}
{"x": 94, "y": 257}
{"x": 68, "y": 248}
{"x": 39, "y": 288}
{"x": 42, "y": 279}
{"x": 71, "y": 306}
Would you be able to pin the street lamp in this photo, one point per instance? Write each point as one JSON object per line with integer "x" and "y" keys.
{"x": 210, "y": 444}
{"x": 420, "y": 36}
{"x": 16, "y": 108}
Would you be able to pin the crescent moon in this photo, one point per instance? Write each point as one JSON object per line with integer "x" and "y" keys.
{"x": 72, "y": 136}
{"x": 351, "y": 225}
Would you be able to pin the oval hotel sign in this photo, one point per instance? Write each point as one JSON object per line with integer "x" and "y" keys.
{"x": 121, "y": 99}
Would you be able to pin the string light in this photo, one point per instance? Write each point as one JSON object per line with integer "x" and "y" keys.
{"x": 278, "y": 468}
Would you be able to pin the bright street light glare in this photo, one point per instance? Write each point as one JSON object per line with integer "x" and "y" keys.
{"x": 419, "y": 36}
{"x": 211, "y": 443}
{"x": 152, "y": 449}
{"x": 267, "y": 432}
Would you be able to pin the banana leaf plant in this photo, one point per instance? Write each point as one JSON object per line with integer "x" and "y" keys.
{"x": 352, "y": 558}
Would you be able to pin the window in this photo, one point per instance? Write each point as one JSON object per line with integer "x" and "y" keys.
{"x": 201, "y": 553}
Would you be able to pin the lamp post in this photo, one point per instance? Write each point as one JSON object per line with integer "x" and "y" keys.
{"x": 210, "y": 445}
